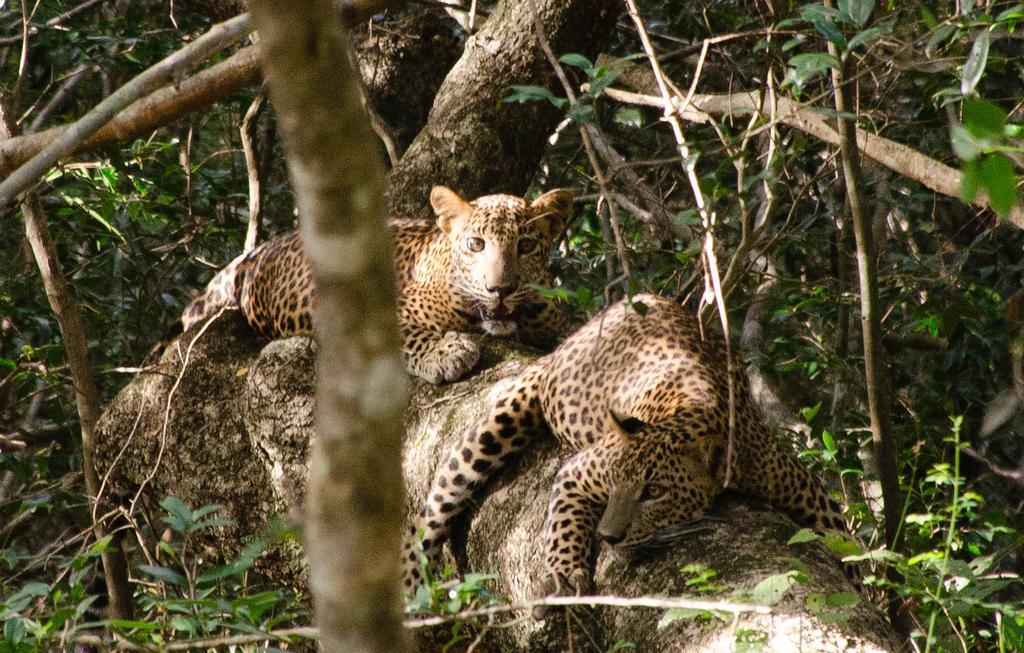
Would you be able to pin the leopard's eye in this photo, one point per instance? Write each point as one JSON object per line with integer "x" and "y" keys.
{"x": 526, "y": 245}
{"x": 475, "y": 244}
{"x": 653, "y": 491}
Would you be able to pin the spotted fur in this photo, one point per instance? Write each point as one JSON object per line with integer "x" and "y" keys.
{"x": 643, "y": 403}
{"x": 468, "y": 271}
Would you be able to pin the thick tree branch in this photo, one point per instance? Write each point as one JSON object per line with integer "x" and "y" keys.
{"x": 219, "y": 37}
{"x": 240, "y": 70}
{"x": 355, "y": 494}
{"x": 473, "y": 141}
{"x": 898, "y": 157}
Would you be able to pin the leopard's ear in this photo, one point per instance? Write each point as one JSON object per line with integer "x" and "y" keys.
{"x": 552, "y": 211}
{"x": 450, "y": 208}
{"x": 627, "y": 425}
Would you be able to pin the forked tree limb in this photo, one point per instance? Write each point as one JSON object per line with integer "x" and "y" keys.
{"x": 217, "y": 38}
{"x": 899, "y": 158}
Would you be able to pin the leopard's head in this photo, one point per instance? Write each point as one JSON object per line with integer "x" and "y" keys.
{"x": 500, "y": 244}
{"x": 660, "y": 483}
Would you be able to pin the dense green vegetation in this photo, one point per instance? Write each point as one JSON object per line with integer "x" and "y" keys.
{"x": 139, "y": 228}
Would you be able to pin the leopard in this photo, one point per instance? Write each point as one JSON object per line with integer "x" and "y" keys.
{"x": 641, "y": 397}
{"x": 478, "y": 267}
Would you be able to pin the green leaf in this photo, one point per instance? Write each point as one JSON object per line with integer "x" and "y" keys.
{"x": 974, "y": 67}
{"x": 100, "y": 546}
{"x": 983, "y": 119}
{"x": 641, "y": 308}
{"x": 577, "y": 60}
{"x": 841, "y": 544}
{"x": 205, "y": 510}
{"x": 810, "y": 412}
{"x": 970, "y": 181}
{"x": 964, "y": 143}
{"x": 771, "y": 590}
{"x": 829, "y": 30}
{"x": 629, "y": 117}
{"x": 183, "y": 624}
{"x": 858, "y": 11}
{"x": 522, "y": 94}
{"x": 865, "y": 36}
{"x": 804, "y": 535}
{"x": 581, "y": 114}
{"x": 176, "y": 508}
{"x": 675, "y": 614}
{"x": 129, "y": 624}
{"x": 602, "y": 81}
{"x": 164, "y": 574}
{"x": 939, "y": 36}
{"x": 842, "y": 599}
{"x": 996, "y": 175}
{"x": 15, "y": 631}
{"x": 244, "y": 561}
{"x": 803, "y": 66}
{"x": 828, "y": 441}
{"x": 1014, "y": 13}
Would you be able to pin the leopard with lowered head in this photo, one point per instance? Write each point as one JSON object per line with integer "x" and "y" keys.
{"x": 470, "y": 270}
{"x": 643, "y": 401}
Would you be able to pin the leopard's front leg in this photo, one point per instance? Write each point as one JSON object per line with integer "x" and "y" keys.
{"x": 433, "y": 347}
{"x": 577, "y": 500}
{"x": 513, "y": 420}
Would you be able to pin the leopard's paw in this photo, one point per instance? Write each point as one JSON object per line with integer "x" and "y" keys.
{"x": 577, "y": 583}
{"x": 449, "y": 358}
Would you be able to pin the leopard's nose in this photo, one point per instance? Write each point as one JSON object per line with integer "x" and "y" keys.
{"x": 611, "y": 538}
{"x": 501, "y": 291}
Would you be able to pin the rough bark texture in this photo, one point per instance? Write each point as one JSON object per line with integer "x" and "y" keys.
{"x": 491, "y": 146}
{"x": 353, "y": 521}
{"x": 238, "y": 435}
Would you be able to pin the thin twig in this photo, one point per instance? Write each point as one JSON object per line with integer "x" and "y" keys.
{"x": 53, "y": 22}
{"x": 898, "y": 157}
{"x": 707, "y": 214}
{"x": 613, "y": 219}
{"x": 610, "y": 601}
{"x": 282, "y": 635}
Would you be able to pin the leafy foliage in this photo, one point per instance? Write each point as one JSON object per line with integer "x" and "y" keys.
{"x": 140, "y": 227}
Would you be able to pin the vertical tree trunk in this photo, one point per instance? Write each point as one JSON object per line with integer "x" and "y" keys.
{"x": 87, "y": 398}
{"x": 875, "y": 378}
{"x": 871, "y": 329}
{"x": 354, "y": 502}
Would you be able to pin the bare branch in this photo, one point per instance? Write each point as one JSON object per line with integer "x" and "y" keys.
{"x": 254, "y": 171}
{"x": 898, "y": 157}
{"x": 169, "y": 103}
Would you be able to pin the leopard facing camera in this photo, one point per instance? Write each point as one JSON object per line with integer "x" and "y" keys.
{"x": 471, "y": 270}
{"x": 642, "y": 401}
